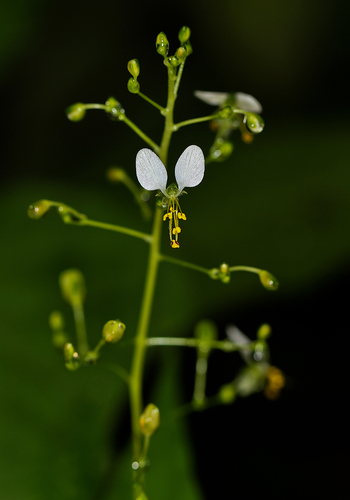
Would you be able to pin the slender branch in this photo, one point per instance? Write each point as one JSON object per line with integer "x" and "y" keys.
{"x": 139, "y": 132}
{"x": 249, "y": 269}
{"x": 119, "y": 229}
{"x": 222, "y": 345}
{"x": 158, "y": 106}
{"x": 182, "y": 263}
{"x": 176, "y": 126}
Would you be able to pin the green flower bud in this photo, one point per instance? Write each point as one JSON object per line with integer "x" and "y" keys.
{"x": 114, "y": 108}
{"x": 227, "y": 394}
{"x": 59, "y": 339}
{"x": 116, "y": 174}
{"x": 214, "y": 273}
{"x": 173, "y": 60}
{"x": 69, "y": 215}
{"x": 68, "y": 351}
{"x": 264, "y": 332}
{"x": 56, "y": 321}
{"x": 133, "y": 86}
{"x": 113, "y": 330}
{"x": 225, "y": 112}
{"x": 72, "y": 285}
{"x": 149, "y": 420}
{"x": 134, "y": 67}
{"x": 254, "y": 123}
{"x": 184, "y": 34}
{"x": 181, "y": 54}
{"x": 76, "y": 112}
{"x": 162, "y": 44}
{"x": 221, "y": 150}
{"x": 71, "y": 357}
{"x": 268, "y": 280}
{"x": 206, "y": 330}
{"x": 38, "y": 209}
{"x": 189, "y": 49}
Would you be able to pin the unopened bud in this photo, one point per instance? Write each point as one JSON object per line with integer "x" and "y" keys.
{"x": 133, "y": 86}
{"x": 71, "y": 357}
{"x": 184, "y": 34}
{"x": 227, "y": 394}
{"x": 76, "y": 112}
{"x": 116, "y": 174}
{"x": 56, "y": 321}
{"x": 162, "y": 44}
{"x": 188, "y": 48}
{"x": 134, "y": 67}
{"x": 149, "y": 420}
{"x": 113, "y": 330}
{"x": 72, "y": 285}
{"x": 174, "y": 61}
{"x": 254, "y": 123}
{"x": 221, "y": 150}
{"x": 264, "y": 332}
{"x": 225, "y": 112}
{"x": 91, "y": 358}
{"x": 268, "y": 280}
{"x": 38, "y": 209}
{"x": 114, "y": 108}
{"x": 181, "y": 53}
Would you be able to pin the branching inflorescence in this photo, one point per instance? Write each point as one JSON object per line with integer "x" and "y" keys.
{"x": 235, "y": 111}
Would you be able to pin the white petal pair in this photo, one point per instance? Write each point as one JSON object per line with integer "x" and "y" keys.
{"x": 242, "y": 100}
{"x": 152, "y": 174}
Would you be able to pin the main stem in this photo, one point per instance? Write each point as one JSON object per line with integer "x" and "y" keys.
{"x": 137, "y": 367}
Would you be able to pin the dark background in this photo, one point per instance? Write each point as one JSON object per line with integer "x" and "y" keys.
{"x": 281, "y": 203}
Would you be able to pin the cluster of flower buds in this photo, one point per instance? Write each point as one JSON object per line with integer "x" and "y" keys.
{"x": 223, "y": 273}
{"x": 134, "y": 69}
{"x": 185, "y": 49}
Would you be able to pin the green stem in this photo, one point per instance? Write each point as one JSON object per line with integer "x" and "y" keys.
{"x": 79, "y": 319}
{"x": 182, "y": 263}
{"x": 249, "y": 269}
{"x": 222, "y": 345}
{"x": 158, "y": 106}
{"x": 193, "y": 120}
{"x": 139, "y": 132}
{"x": 138, "y": 361}
{"x": 119, "y": 229}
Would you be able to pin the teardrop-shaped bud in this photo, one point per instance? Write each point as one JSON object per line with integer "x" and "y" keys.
{"x": 115, "y": 174}
{"x": 181, "y": 54}
{"x": 56, "y": 321}
{"x": 134, "y": 67}
{"x": 188, "y": 48}
{"x": 227, "y": 394}
{"x": 38, "y": 209}
{"x": 264, "y": 332}
{"x": 184, "y": 34}
{"x": 268, "y": 280}
{"x": 114, "y": 108}
{"x": 72, "y": 285}
{"x": 113, "y": 330}
{"x": 133, "y": 85}
{"x": 149, "y": 420}
{"x": 76, "y": 112}
{"x": 254, "y": 123}
{"x": 162, "y": 44}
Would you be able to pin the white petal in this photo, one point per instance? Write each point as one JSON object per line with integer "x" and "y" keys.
{"x": 213, "y": 98}
{"x": 247, "y": 102}
{"x": 189, "y": 169}
{"x": 236, "y": 336}
{"x": 150, "y": 171}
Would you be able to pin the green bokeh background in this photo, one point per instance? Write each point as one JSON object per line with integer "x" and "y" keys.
{"x": 281, "y": 203}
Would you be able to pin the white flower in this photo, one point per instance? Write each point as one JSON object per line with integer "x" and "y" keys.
{"x": 240, "y": 100}
{"x": 152, "y": 175}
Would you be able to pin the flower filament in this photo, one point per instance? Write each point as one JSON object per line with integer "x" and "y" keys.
{"x": 174, "y": 214}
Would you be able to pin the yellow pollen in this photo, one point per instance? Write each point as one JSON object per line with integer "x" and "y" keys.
{"x": 182, "y": 216}
{"x": 174, "y": 244}
{"x": 177, "y": 230}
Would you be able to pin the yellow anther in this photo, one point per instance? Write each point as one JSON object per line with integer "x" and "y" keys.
{"x": 177, "y": 230}
{"x": 174, "y": 244}
{"x": 170, "y": 215}
{"x": 182, "y": 216}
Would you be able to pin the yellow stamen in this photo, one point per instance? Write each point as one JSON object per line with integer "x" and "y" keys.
{"x": 177, "y": 230}
{"x": 174, "y": 244}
